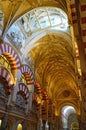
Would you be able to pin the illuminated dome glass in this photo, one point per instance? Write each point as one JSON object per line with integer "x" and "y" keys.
{"x": 36, "y": 20}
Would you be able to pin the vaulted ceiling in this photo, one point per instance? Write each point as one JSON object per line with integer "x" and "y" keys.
{"x": 48, "y": 48}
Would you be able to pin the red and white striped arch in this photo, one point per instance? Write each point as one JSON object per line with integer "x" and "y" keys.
{"x": 38, "y": 87}
{"x": 82, "y": 11}
{"x": 83, "y": 20}
{"x": 81, "y": 6}
{"x": 10, "y": 54}
{"x": 74, "y": 16}
{"x": 28, "y": 74}
{"x": 5, "y": 74}
{"x": 22, "y": 87}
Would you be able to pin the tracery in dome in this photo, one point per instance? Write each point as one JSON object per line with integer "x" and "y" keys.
{"x": 44, "y": 18}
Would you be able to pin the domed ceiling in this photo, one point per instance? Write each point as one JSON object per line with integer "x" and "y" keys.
{"x": 43, "y": 37}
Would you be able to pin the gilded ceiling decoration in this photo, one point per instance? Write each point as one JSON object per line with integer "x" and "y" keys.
{"x": 55, "y": 67}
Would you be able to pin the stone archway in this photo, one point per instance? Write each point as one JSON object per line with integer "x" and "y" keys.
{"x": 68, "y": 117}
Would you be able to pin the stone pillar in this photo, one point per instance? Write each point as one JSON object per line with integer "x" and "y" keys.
{"x": 30, "y": 100}
{"x": 17, "y": 78}
{"x": 80, "y": 42}
{"x": 51, "y": 126}
{"x": 54, "y": 124}
{"x": 57, "y": 123}
{"x": 83, "y": 83}
{"x": 31, "y": 91}
{"x": 79, "y": 120}
{"x": 33, "y": 126}
{"x": 47, "y": 125}
{"x": 14, "y": 92}
{"x": 14, "y": 125}
{"x": 40, "y": 124}
{"x": 10, "y": 95}
{"x": 4, "y": 122}
{"x": 9, "y": 99}
{"x": 24, "y": 125}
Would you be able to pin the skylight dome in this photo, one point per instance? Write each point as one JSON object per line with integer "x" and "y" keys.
{"x": 41, "y": 18}
{"x": 38, "y": 19}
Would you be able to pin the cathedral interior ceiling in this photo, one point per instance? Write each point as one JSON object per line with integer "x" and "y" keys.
{"x": 52, "y": 54}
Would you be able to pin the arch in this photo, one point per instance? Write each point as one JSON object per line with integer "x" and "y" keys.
{"x": 56, "y": 19}
{"x": 5, "y": 74}
{"x": 67, "y": 110}
{"x": 28, "y": 74}
{"x": 11, "y": 55}
{"x": 22, "y": 87}
{"x": 38, "y": 88}
{"x": 73, "y": 104}
{"x": 40, "y": 13}
{"x": 65, "y": 113}
{"x": 41, "y": 34}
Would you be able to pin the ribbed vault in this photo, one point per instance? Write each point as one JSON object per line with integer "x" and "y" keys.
{"x": 55, "y": 68}
{"x": 52, "y": 55}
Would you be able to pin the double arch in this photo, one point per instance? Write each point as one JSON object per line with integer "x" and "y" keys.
{"x": 11, "y": 55}
{"x": 23, "y": 88}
